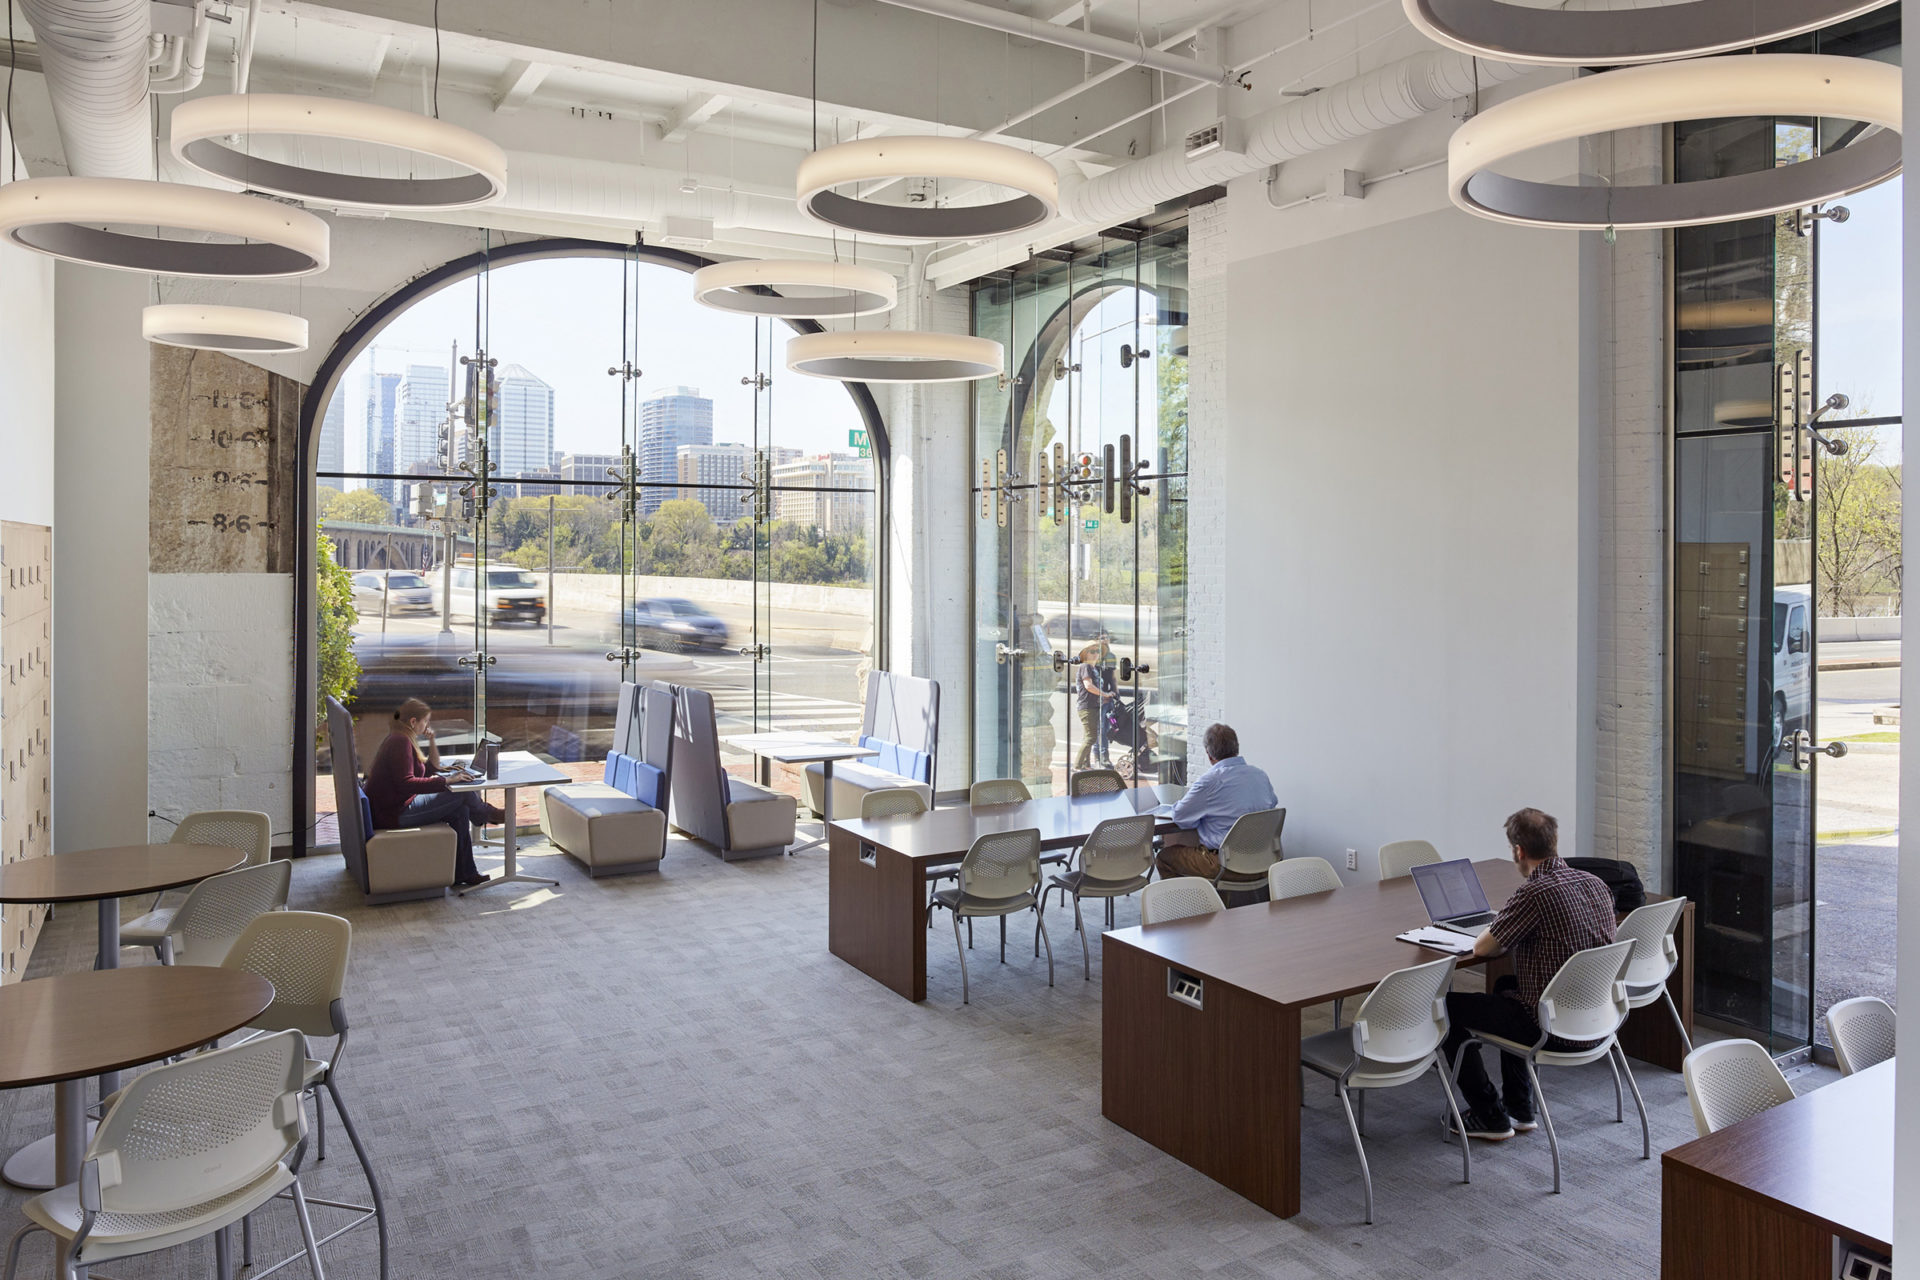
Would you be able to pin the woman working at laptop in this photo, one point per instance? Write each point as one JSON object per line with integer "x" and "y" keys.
{"x": 405, "y": 789}
{"x": 1555, "y": 912}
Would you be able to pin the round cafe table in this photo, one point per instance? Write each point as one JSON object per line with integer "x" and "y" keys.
{"x": 103, "y": 876}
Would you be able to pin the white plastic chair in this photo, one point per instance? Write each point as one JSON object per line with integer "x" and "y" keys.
{"x": 1862, "y": 1033}
{"x": 999, "y": 876}
{"x": 304, "y": 955}
{"x": 1655, "y": 957}
{"x": 1394, "y": 1040}
{"x": 1732, "y": 1080}
{"x": 1116, "y": 860}
{"x": 1298, "y": 877}
{"x": 215, "y": 913}
{"x": 1580, "y": 1011}
{"x": 1252, "y": 845}
{"x": 1178, "y": 898}
{"x": 1401, "y": 856}
{"x": 990, "y": 791}
{"x": 1096, "y": 782}
{"x": 186, "y": 1151}
{"x": 241, "y": 829}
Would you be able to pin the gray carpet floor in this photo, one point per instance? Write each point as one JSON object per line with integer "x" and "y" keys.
{"x": 668, "y": 1075}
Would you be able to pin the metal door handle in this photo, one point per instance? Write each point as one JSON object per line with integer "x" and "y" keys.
{"x": 1803, "y": 748}
{"x": 1002, "y": 651}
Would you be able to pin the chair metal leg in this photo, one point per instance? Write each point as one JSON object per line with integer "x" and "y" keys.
{"x": 1678, "y": 1025}
{"x": 1040, "y": 927}
{"x": 1337, "y": 1002}
{"x": 320, "y": 1131}
{"x": 1360, "y": 1113}
{"x": 306, "y": 1230}
{"x": 1359, "y": 1148}
{"x": 1646, "y": 1134}
{"x": 1460, "y": 1125}
{"x": 1003, "y": 939}
{"x": 366, "y": 1166}
{"x": 1546, "y": 1119}
{"x": 964, "y": 997}
{"x": 223, "y": 1253}
{"x": 1086, "y": 952}
{"x": 13, "y": 1248}
{"x": 1619, "y": 1116}
{"x": 246, "y": 1229}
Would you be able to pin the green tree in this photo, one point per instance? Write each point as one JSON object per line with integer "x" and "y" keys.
{"x": 360, "y": 506}
{"x": 1857, "y": 537}
{"x": 339, "y": 668}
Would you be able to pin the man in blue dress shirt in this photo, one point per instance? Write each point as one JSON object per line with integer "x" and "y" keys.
{"x": 1223, "y": 793}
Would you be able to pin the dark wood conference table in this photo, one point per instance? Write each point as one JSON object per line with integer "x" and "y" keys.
{"x": 876, "y": 871}
{"x": 1218, "y": 1086}
{"x": 1765, "y": 1198}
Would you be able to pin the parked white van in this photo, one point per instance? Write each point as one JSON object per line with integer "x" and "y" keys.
{"x": 511, "y": 595}
{"x": 1792, "y": 660}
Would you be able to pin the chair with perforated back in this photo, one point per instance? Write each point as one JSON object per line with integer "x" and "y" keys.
{"x": 304, "y": 955}
{"x": 903, "y": 802}
{"x": 215, "y": 913}
{"x": 1115, "y": 860}
{"x": 1862, "y": 1033}
{"x": 186, "y": 1151}
{"x": 999, "y": 876}
{"x": 1394, "y": 1040}
{"x": 242, "y": 829}
{"x": 1251, "y": 846}
{"x": 1298, "y": 877}
{"x": 1655, "y": 956}
{"x": 1580, "y": 1012}
{"x": 991, "y": 791}
{"x": 1096, "y": 782}
{"x": 1178, "y": 898}
{"x": 1400, "y": 857}
{"x": 1732, "y": 1080}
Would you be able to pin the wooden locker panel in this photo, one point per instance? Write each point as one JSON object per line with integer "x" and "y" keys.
{"x": 26, "y": 724}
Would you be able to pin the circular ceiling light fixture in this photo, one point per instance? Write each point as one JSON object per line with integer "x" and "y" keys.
{"x": 1609, "y": 37}
{"x": 103, "y": 222}
{"x": 1765, "y": 84}
{"x": 204, "y": 129}
{"x": 242, "y": 330}
{"x": 795, "y": 290}
{"x": 895, "y": 355}
{"x": 1031, "y": 187}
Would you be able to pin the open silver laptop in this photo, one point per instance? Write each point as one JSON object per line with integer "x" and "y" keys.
{"x": 1453, "y": 896}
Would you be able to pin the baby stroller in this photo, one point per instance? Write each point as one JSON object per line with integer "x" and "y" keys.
{"x": 1130, "y": 742}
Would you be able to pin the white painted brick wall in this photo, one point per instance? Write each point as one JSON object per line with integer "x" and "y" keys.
{"x": 1207, "y": 255}
{"x": 220, "y": 715}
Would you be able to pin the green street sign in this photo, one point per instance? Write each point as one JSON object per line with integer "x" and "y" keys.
{"x": 1089, "y": 525}
{"x": 857, "y": 439}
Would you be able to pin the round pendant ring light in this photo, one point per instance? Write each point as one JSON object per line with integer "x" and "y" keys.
{"x": 805, "y": 290}
{"x": 202, "y": 126}
{"x": 895, "y": 355}
{"x": 237, "y": 329}
{"x": 1767, "y": 84}
{"x": 1609, "y": 37}
{"x": 960, "y": 159}
{"x": 71, "y": 218}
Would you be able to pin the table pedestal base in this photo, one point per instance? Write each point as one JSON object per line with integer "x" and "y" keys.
{"x": 510, "y": 846}
{"x": 826, "y": 811}
{"x": 31, "y": 1168}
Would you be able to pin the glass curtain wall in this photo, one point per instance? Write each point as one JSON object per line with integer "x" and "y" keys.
{"x": 1786, "y": 536}
{"x": 645, "y": 514}
{"x": 1078, "y": 489}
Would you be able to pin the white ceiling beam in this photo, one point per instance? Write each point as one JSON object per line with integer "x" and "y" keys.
{"x": 517, "y": 84}
{"x": 700, "y": 109}
{"x": 377, "y": 60}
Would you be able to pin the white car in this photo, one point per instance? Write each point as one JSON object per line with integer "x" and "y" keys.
{"x": 510, "y": 595}
{"x": 395, "y": 591}
{"x": 1792, "y": 659}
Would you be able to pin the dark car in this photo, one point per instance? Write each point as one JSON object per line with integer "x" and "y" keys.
{"x": 674, "y": 625}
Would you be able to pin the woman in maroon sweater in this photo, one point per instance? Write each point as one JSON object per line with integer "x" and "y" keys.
{"x": 404, "y": 788}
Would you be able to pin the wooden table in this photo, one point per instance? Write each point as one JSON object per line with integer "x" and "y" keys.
{"x": 876, "y": 872}
{"x": 1218, "y": 1087}
{"x": 517, "y": 769}
{"x": 804, "y": 749}
{"x": 1764, "y": 1199}
{"x": 60, "y": 1030}
{"x": 103, "y": 876}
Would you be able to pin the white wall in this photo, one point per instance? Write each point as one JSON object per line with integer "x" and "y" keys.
{"x": 1405, "y": 426}
{"x": 100, "y": 559}
{"x": 26, "y": 371}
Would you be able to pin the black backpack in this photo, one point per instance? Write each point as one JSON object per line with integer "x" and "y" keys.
{"x": 1620, "y": 877}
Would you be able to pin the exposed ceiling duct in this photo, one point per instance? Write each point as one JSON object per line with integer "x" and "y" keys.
{"x": 1134, "y": 52}
{"x": 94, "y": 54}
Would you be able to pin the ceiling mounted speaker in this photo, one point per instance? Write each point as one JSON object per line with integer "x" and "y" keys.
{"x": 205, "y": 132}
{"x": 240, "y": 330}
{"x": 895, "y": 355}
{"x": 1032, "y": 188}
{"x": 795, "y": 290}
{"x": 106, "y": 222}
{"x": 1622, "y": 34}
{"x": 1766, "y": 84}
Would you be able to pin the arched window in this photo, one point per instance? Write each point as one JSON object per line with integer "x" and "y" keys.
{"x": 664, "y": 502}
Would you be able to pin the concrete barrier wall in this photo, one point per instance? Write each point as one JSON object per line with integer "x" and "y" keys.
{"x": 1843, "y": 630}
{"x": 602, "y": 590}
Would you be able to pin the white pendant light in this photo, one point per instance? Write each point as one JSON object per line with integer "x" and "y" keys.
{"x": 894, "y": 355}
{"x": 1612, "y": 36}
{"x": 203, "y": 127}
{"x": 1768, "y": 84}
{"x": 1035, "y": 185}
{"x": 243, "y": 330}
{"x": 75, "y": 219}
{"x": 801, "y": 290}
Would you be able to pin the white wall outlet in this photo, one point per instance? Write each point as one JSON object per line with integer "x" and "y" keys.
{"x": 1353, "y": 859}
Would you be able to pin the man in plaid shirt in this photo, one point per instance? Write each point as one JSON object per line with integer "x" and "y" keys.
{"x": 1555, "y": 912}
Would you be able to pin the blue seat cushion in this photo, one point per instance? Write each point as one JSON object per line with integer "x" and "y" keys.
{"x": 366, "y": 814}
{"x": 649, "y": 785}
{"x": 623, "y": 767}
{"x": 894, "y": 758}
{"x": 608, "y": 774}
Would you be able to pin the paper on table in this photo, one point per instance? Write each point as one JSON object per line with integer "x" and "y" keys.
{"x": 1438, "y": 939}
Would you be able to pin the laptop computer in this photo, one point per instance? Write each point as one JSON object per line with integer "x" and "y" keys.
{"x": 1453, "y": 896}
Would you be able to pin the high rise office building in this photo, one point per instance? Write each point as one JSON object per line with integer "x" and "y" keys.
{"x": 699, "y": 465}
{"x": 521, "y": 441}
{"x": 422, "y": 406}
{"x": 573, "y": 468}
{"x": 383, "y": 425}
{"x": 670, "y": 418}
{"x": 826, "y": 506}
{"x": 333, "y": 438}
